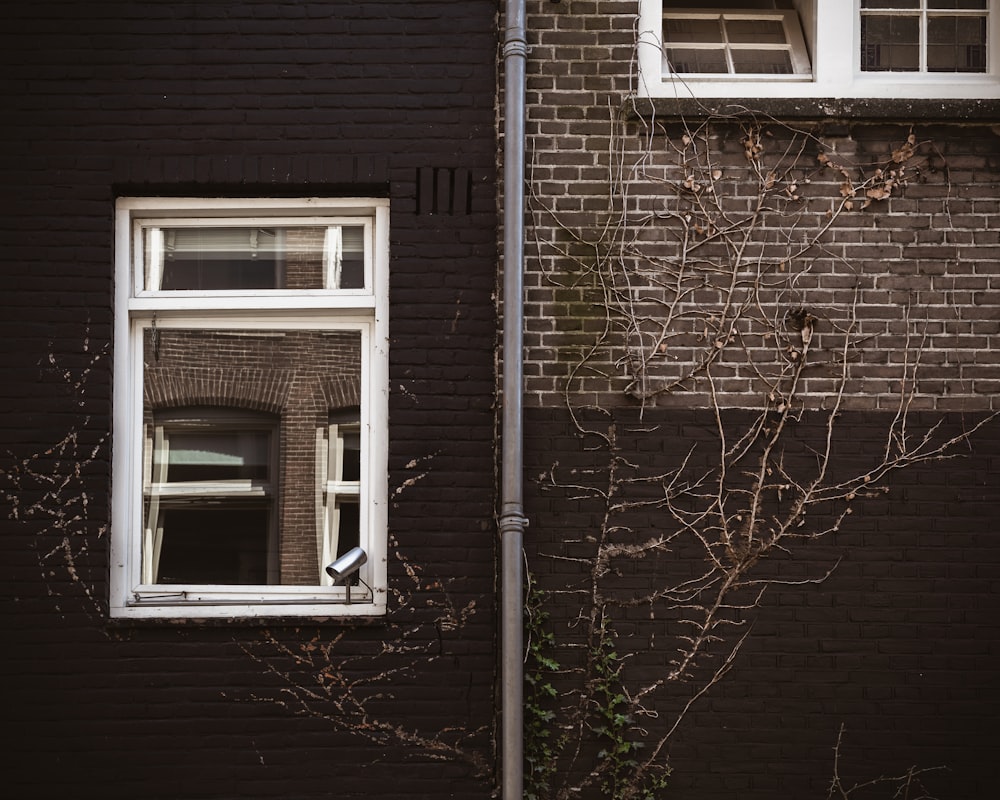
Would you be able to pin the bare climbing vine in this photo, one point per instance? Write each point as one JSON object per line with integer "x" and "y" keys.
{"x": 346, "y": 676}
{"x": 46, "y": 490}
{"x": 906, "y": 786}
{"x": 349, "y": 677}
{"x": 714, "y": 278}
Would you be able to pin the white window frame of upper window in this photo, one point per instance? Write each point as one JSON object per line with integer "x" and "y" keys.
{"x": 828, "y": 26}
{"x": 363, "y": 311}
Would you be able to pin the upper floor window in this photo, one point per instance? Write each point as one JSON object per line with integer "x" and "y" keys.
{"x": 739, "y": 49}
{"x": 250, "y": 407}
{"x": 188, "y": 256}
{"x": 924, "y": 35}
{"x": 734, "y": 42}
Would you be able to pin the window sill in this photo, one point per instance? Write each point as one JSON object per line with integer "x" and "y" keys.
{"x": 966, "y": 112}
{"x": 251, "y": 611}
{"x": 373, "y": 619}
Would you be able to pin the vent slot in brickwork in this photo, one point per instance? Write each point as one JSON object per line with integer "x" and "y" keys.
{"x": 444, "y": 190}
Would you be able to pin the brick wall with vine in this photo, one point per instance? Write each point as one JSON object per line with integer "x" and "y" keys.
{"x": 762, "y": 354}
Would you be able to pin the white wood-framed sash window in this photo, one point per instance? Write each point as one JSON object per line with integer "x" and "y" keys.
{"x": 735, "y": 43}
{"x": 924, "y": 36}
{"x": 242, "y": 326}
{"x": 898, "y": 49}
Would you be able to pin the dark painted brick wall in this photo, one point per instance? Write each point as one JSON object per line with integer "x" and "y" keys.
{"x": 222, "y": 99}
{"x": 899, "y": 645}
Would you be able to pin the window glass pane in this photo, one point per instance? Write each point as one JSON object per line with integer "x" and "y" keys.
{"x": 209, "y": 448}
{"x": 702, "y": 31}
{"x": 244, "y": 258}
{"x": 348, "y": 262}
{"x": 180, "y": 259}
{"x": 733, "y": 43}
{"x": 216, "y": 456}
{"x": 303, "y": 258}
{"x": 217, "y": 545}
{"x": 890, "y": 43}
{"x": 890, "y": 3}
{"x": 346, "y": 424}
{"x": 347, "y": 534}
{"x": 350, "y": 522}
{"x": 766, "y": 62}
{"x": 963, "y": 4}
{"x": 695, "y": 60}
{"x": 956, "y": 44}
{"x": 750, "y": 31}
{"x": 761, "y": 5}
{"x": 352, "y": 454}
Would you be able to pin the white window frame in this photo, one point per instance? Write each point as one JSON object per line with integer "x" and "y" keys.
{"x": 363, "y": 311}
{"x": 829, "y": 27}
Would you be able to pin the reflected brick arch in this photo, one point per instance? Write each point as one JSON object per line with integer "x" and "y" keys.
{"x": 253, "y": 390}
{"x": 342, "y": 393}
{"x": 301, "y": 376}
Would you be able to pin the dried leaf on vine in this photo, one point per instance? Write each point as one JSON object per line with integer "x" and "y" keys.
{"x": 905, "y": 151}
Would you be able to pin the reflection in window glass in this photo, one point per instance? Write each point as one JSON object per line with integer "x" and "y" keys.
{"x": 209, "y": 492}
{"x": 919, "y": 36}
{"x": 890, "y": 43}
{"x": 702, "y": 31}
{"x": 234, "y": 495}
{"x": 755, "y": 31}
{"x": 246, "y": 258}
{"x": 344, "y": 257}
{"x": 689, "y": 60}
{"x": 747, "y": 5}
{"x": 217, "y": 544}
{"x": 733, "y": 43}
{"x": 890, "y": 3}
{"x": 971, "y": 5}
{"x": 342, "y": 490}
{"x": 956, "y": 44}
{"x": 963, "y": 5}
{"x": 764, "y": 62}
{"x": 207, "y": 456}
{"x": 348, "y": 525}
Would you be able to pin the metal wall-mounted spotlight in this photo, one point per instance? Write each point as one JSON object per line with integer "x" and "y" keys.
{"x": 344, "y": 567}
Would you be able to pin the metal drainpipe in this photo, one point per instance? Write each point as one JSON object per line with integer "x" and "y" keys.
{"x": 512, "y": 521}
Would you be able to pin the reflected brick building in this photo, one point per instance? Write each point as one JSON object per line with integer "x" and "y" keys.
{"x": 296, "y": 381}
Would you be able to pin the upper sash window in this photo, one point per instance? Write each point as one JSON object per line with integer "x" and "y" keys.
{"x": 898, "y": 49}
